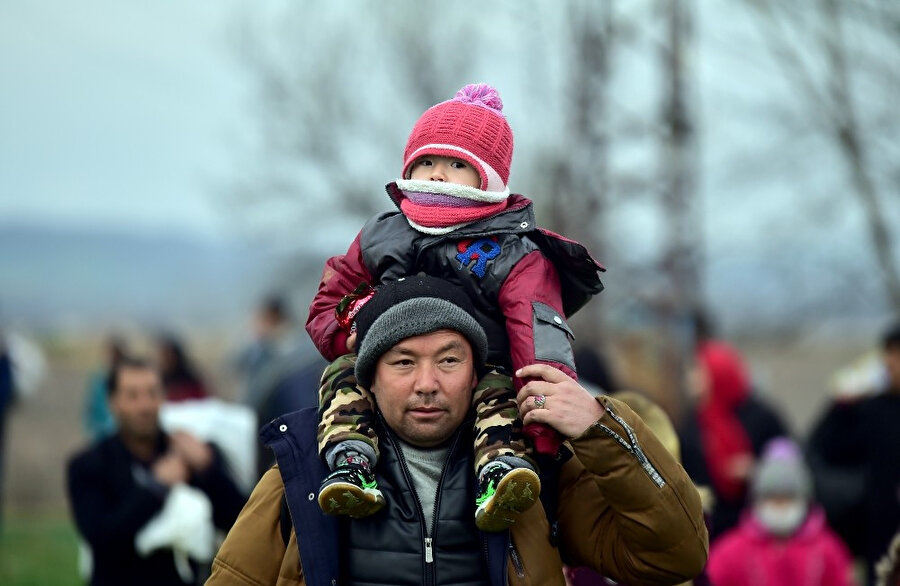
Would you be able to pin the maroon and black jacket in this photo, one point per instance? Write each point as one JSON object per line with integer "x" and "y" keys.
{"x": 522, "y": 279}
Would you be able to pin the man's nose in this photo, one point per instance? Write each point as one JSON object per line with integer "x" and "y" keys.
{"x": 147, "y": 403}
{"x": 426, "y": 379}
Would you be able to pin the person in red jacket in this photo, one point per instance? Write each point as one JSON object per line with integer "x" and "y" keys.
{"x": 457, "y": 220}
{"x": 783, "y": 539}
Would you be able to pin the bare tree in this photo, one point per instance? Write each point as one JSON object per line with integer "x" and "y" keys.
{"x": 314, "y": 118}
{"x": 862, "y": 33}
{"x": 328, "y": 125}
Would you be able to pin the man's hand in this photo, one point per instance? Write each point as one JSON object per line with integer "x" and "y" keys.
{"x": 170, "y": 470}
{"x": 197, "y": 455}
{"x": 566, "y": 406}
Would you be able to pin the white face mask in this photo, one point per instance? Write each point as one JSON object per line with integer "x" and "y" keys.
{"x": 780, "y": 519}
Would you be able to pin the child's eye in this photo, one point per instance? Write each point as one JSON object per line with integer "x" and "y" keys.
{"x": 458, "y": 165}
{"x": 424, "y": 163}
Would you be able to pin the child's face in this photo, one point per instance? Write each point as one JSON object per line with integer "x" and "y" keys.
{"x": 781, "y": 515}
{"x": 438, "y": 168}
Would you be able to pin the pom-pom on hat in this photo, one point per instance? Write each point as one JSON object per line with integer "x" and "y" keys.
{"x": 410, "y": 307}
{"x": 470, "y": 127}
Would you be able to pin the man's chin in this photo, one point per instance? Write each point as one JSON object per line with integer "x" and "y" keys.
{"x": 143, "y": 434}
{"x": 426, "y": 436}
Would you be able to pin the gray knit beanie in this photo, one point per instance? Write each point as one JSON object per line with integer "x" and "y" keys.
{"x": 781, "y": 471}
{"x": 413, "y": 306}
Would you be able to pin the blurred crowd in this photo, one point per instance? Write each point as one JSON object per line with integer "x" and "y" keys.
{"x": 783, "y": 509}
{"x": 171, "y": 462}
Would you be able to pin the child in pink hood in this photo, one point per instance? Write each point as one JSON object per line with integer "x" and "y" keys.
{"x": 783, "y": 539}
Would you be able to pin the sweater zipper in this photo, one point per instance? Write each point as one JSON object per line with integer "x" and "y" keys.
{"x": 428, "y": 540}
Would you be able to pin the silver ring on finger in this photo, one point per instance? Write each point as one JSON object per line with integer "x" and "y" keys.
{"x": 539, "y": 401}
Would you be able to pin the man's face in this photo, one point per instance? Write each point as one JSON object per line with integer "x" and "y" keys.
{"x": 423, "y": 386}
{"x": 264, "y": 324}
{"x": 892, "y": 363}
{"x": 136, "y": 401}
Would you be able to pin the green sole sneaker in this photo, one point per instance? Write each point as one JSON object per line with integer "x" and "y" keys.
{"x": 346, "y": 498}
{"x": 514, "y": 494}
{"x": 350, "y": 490}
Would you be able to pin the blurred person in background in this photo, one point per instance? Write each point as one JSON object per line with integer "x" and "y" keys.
{"x": 727, "y": 428}
{"x": 7, "y": 394}
{"x": 858, "y": 438}
{"x": 888, "y": 569}
{"x": 279, "y": 367}
{"x": 179, "y": 375}
{"x": 142, "y": 498}
{"x": 783, "y": 538}
{"x": 96, "y": 417}
{"x": 22, "y": 369}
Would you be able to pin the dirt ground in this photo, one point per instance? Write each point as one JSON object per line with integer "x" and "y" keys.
{"x": 45, "y": 430}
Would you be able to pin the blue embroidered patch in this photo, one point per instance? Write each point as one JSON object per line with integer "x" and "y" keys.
{"x": 481, "y": 251}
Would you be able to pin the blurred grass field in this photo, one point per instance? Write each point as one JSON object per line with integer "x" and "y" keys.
{"x": 38, "y": 551}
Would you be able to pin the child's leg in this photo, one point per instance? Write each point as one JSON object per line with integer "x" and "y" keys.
{"x": 347, "y": 443}
{"x": 506, "y": 470}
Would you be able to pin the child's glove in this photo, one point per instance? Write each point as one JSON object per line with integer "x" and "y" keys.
{"x": 349, "y": 306}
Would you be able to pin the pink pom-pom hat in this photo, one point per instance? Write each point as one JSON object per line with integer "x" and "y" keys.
{"x": 470, "y": 127}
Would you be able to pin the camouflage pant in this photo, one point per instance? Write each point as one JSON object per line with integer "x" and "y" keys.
{"x": 346, "y": 412}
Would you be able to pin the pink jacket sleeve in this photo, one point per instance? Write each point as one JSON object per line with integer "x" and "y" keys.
{"x": 341, "y": 276}
{"x": 838, "y": 563}
{"x": 727, "y": 560}
{"x": 534, "y": 278}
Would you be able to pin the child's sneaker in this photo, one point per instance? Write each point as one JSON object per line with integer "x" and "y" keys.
{"x": 350, "y": 490}
{"x": 504, "y": 492}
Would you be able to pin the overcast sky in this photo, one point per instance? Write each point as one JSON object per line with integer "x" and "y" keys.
{"x": 136, "y": 115}
{"x": 118, "y": 113}
{"x": 132, "y": 114}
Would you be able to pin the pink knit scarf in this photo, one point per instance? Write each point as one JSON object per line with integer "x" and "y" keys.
{"x": 433, "y": 210}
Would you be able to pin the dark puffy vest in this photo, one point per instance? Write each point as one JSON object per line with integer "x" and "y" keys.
{"x": 390, "y": 547}
{"x": 479, "y": 257}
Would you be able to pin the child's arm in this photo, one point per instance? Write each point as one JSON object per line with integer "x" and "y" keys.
{"x": 531, "y": 301}
{"x": 341, "y": 275}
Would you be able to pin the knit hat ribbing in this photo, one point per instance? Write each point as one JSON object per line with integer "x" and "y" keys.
{"x": 413, "y": 306}
{"x": 470, "y": 127}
